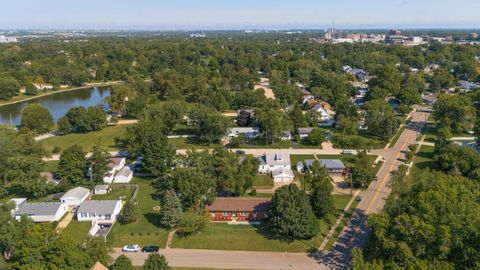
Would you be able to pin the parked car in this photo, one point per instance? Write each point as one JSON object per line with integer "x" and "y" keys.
{"x": 240, "y": 152}
{"x": 348, "y": 152}
{"x": 131, "y": 248}
{"x": 154, "y": 249}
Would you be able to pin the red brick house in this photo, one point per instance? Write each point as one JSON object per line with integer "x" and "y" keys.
{"x": 238, "y": 209}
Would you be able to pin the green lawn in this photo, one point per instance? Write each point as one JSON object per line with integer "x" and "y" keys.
{"x": 222, "y": 236}
{"x": 77, "y": 231}
{"x": 424, "y": 158}
{"x": 51, "y": 166}
{"x": 146, "y": 230}
{"x": 115, "y": 195}
{"x": 263, "y": 181}
{"x": 397, "y": 136}
{"x": 188, "y": 143}
{"x": 296, "y": 158}
{"x": 104, "y": 138}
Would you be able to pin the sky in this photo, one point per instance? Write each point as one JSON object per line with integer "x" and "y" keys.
{"x": 238, "y": 14}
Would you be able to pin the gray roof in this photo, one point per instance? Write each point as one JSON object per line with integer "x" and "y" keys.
{"x": 98, "y": 206}
{"x": 125, "y": 171}
{"x": 38, "y": 209}
{"x": 327, "y": 163}
{"x": 101, "y": 186}
{"x": 78, "y": 192}
{"x": 275, "y": 159}
{"x": 305, "y": 130}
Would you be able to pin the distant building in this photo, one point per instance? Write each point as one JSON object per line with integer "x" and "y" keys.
{"x": 274, "y": 162}
{"x": 99, "y": 210}
{"x": 335, "y": 167}
{"x": 247, "y": 132}
{"x": 75, "y": 196}
{"x": 4, "y": 39}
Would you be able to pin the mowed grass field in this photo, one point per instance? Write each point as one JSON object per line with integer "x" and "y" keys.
{"x": 146, "y": 230}
{"x": 77, "y": 231}
{"x": 222, "y": 236}
{"x": 104, "y": 138}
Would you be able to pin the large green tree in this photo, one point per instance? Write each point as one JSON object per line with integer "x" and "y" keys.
{"x": 37, "y": 118}
{"x": 171, "y": 209}
{"x": 72, "y": 165}
{"x": 320, "y": 197}
{"x": 155, "y": 262}
{"x": 380, "y": 119}
{"x": 290, "y": 214}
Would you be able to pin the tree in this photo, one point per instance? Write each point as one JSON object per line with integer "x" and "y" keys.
{"x": 454, "y": 112}
{"x": 120, "y": 96}
{"x": 347, "y": 125}
{"x": 210, "y": 125}
{"x": 380, "y": 119}
{"x": 290, "y": 214}
{"x": 362, "y": 173}
{"x": 155, "y": 262}
{"x": 30, "y": 90}
{"x": 171, "y": 209}
{"x": 147, "y": 139}
{"x": 192, "y": 222}
{"x": 9, "y": 87}
{"x": 272, "y": 120}
{"x": 80, "y": 119}
{"x": 129, "y": 214}
{"x": 122, "y": 263}
{"x": 37, "y": 118}
{"x": 321, "y": 198}
{"x": 96, "y": 118}
{"x": 195, "y": 187}
{"x": 72, "y": 165}
{"x": 97, "y": 249}
{"x": 244, "y": 118}
{"x": 167, "y": 114}
{"x": 98, "y": 164}
{"x": 316, "y": 137}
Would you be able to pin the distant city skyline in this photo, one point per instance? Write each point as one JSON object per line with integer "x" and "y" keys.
{"x": 231, "y": 15}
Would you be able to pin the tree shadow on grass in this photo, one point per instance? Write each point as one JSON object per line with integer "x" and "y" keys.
{"x": 266, "y": 232}
{"x": 154, "y": 219}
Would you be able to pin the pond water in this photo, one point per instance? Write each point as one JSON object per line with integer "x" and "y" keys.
{"x": 57, "y": 103}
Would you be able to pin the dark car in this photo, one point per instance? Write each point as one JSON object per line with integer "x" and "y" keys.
{"x": 150, "y": 249}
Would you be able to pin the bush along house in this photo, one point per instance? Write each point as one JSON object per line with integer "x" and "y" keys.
{"x": 239, "y": 210}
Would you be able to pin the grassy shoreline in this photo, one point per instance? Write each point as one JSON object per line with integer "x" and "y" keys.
{"x": 22, "y": 97}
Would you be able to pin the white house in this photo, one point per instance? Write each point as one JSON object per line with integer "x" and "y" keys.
{"x": 95, "y": 210}
{"x": 324, "y": 115}
{"x": 124, "y": 175}
{"x": 273, "y": 162}
{"x": 42, "y": 212}
{"x": 101, "y": 189}
{"x": 17, "y": 202}
{"x": 282, "y": 176}
{"x": 115, "y": 165}
{"x": 286, "y": 135}
{"x": 247, "y": 132}
{"x": 304, "y": 132}
{"x": 75, "y": 196}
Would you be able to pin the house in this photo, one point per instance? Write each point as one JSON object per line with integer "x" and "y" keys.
{"x": 282, "y": 176}
{"x": 124, "y": 175}
{"x": 272, "y": 162}
{"x": 101, "y": 189}
{"x": 75, "y": 196}
{"x": 115, "y": 164}
{"x": 325, "y": 116}
{"x": 429, "y": 98}
{"x": 17, "y": 202}
{"x": 468, "y": 85}
{"x": 304, "y": 132}
{"x": 286, "y": 135}
{"x": 42, "y": 212}
{"x": 95, "y": 210}
{"x": 238, "y": 209}
{"x": 335, "y": 167}
{"x": 247, "y": 132}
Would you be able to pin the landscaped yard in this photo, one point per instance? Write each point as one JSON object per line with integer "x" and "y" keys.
{"x": 254, "y": 237}
{"x": 104, "y": 138}
{"x": 146, "y": 230}
{"x": 77, "y": 231}
{"x": 115, "y": 195}
{"x": 424, "y": 158}
{"x": 296, "y": 158}
{"x": 263, "y": 181}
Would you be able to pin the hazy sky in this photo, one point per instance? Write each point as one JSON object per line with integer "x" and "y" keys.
{"x": 239, "y": 14}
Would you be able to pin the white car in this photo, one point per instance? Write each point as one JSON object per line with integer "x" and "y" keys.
{"x": 131, "y": 248}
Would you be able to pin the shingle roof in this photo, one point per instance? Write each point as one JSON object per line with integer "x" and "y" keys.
{"x": 38, "y": 209}
{"x": 98, "y": 206}
{"x": 239, "y": 204}
{"x": 275, "y": 159}
{"x": 115, "y": 162}
{"x": 304, "y": 130}
{"x": 125, "y": 171}
{"x": 327, "y": 163}
{"x": 78, "y": 193}
{"x": 98, "y": 266}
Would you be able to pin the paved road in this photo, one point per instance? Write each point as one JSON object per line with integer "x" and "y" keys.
{"x": 230, "y": 259}
{"x": 355, "y": 233}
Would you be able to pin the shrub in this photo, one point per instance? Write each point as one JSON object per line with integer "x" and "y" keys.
{"x": 56, "y": 149}
{"x": 192, "y": 222}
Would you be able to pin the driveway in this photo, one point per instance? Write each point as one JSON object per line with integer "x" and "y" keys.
{"x": 200, "y": 258}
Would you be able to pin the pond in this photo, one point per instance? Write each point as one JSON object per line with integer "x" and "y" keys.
{"x": 57, "y": 103}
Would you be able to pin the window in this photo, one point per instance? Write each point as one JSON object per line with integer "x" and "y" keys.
{"x": 108, "y": 216}
{"x": 92, "y": 214}
{"x": 242, "y": 214}
{"x": 254, "y": 213}
{"x": 225, "y": 213}
{"x": 83, "y": 215}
